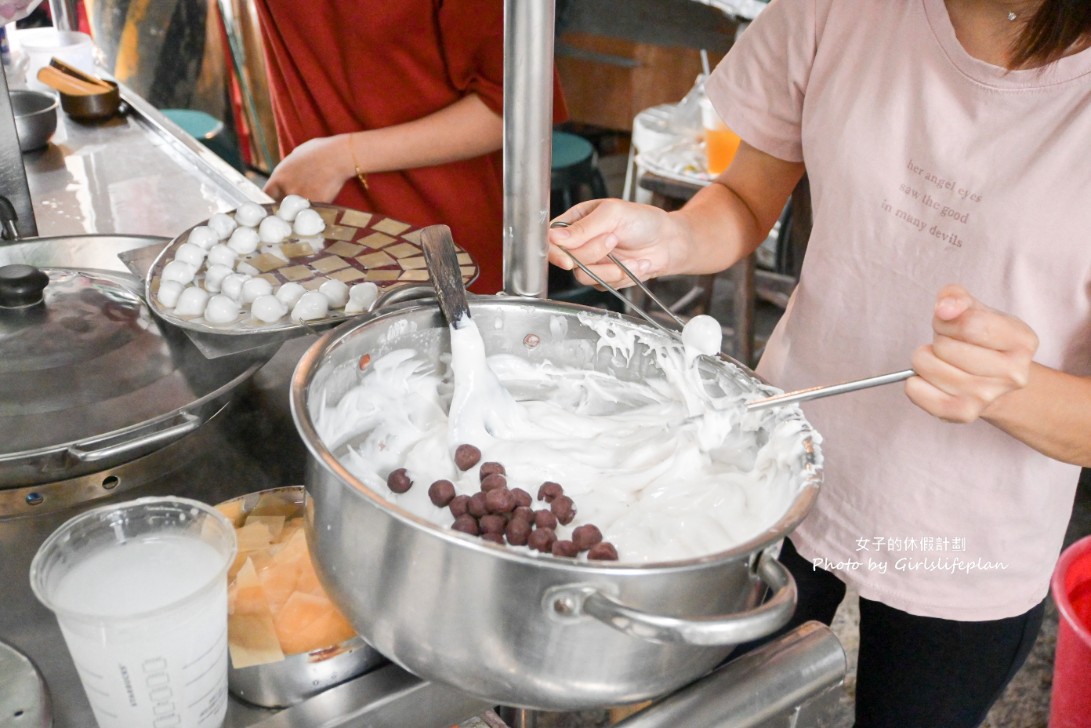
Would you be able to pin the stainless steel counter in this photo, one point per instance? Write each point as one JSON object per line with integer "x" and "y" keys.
{"x": 137, "y": 173}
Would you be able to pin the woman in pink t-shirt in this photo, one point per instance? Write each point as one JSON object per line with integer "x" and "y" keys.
{"x": 944, "y": 142}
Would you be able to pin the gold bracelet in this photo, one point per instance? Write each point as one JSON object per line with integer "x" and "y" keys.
{"x": 356, "y": 165}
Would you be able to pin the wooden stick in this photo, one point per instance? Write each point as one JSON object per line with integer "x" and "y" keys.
{"x": 61, "y": 64}
{"x": 66, "y": 84}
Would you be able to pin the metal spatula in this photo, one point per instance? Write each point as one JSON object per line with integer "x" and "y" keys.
{"x": 442, "y": 261}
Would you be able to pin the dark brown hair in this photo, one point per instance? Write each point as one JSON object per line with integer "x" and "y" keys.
{"x": 1052, "y": 30}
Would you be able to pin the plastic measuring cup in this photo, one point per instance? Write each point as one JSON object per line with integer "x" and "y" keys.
{"x": 140, "y": 592}
{"x": 42, "y": 44}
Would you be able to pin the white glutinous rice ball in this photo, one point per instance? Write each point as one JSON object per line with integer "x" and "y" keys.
{"x": 191, "y": 302}
{"x": 214, "y": 277}
{"x": 290, "y": 293}
{"x": 179, "y": 270}
{"x": 190, "y": 253}
{"x": 168, "y": 293}
{"x": 268, "y": 308}
{"x": 203, "y": 237}
{"x": 222, "y": 255}
{"x": 249, "y": 214}
{"x": 222, "y": 224}
{"x": 255, "y": 287}
{"x": 290, "y": 207}
{"x": 274, "y": 230}
{"x": 361, "y": 297}
{"x": 244, "y": 241}
{"x": 336, "y": 292}
{"x": 308, "y": 222}
{"x": 702, "y": 334}
{"x": 311, "y": 305}
{"x": 232, "y": 285}
{"x": 221, "y": 309}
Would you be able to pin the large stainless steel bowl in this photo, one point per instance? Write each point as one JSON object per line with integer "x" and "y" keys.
{"x": 499, "y": 623}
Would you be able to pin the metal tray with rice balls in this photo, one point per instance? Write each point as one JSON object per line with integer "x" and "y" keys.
{"x": 287, "y": 265}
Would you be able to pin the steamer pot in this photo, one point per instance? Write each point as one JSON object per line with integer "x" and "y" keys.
{"x": 90, "y": 381}
{"x": 496, "y": 622}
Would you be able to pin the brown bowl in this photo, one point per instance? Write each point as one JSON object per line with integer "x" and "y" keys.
{"x": 92, "y": 107}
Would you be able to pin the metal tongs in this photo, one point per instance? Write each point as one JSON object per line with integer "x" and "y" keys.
{"x": 800, "y": 395}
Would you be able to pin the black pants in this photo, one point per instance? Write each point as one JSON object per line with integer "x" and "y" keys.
{"x": 918, "y": 672}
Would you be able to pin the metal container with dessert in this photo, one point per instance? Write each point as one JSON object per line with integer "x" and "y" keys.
{"x": 506, "y": 622}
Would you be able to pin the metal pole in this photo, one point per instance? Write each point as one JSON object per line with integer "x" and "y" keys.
{"x": 528, "y": 135}
{"x": 64, "y": 14}
{"x": 792, "y": 681}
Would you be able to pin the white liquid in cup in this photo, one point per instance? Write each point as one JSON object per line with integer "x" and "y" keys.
{"x": 140, "y": 593}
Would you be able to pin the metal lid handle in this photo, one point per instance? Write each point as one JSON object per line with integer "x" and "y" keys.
{"x": 21, "y": 286}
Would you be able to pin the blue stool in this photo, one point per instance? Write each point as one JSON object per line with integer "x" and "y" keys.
{"x": 575, "y": 177}
{"x": 208, "y": 130}
{"x": 574, "y": 170}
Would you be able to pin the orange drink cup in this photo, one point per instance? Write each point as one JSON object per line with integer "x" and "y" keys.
{"x": 720, "y": 142}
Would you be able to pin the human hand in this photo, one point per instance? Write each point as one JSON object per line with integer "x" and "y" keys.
{"x": 314, "y": 170}
{"x": 636, "y": 234}
{"x": 12, "y": 10}
{"x": 977, "y": 355}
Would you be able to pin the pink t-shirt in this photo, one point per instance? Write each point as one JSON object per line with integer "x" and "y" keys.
{"x": 927, "y": 167}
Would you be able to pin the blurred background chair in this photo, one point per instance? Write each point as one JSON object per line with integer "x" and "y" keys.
{"x": 575, "y": 174}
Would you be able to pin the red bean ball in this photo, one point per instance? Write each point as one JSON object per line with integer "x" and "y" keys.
{"x": 493, "y": 481}
{"x": 545, "y": 519}
{"x": 493, "y": 538}
{"x": 398, "y": 481}
{"x": 542, "y": 539}
{"x": 476, "y": 506}
{"x": 549, "y": 490}
{"x": 490, "y": 468}
{"x": 564, "y": 547}
{"x": 466, "y": 524}
{"x": 586, "y": 536}
{"x": 518, "y": 532}
{"x": 491, "y": 523}
{"x": 524, "y": 513}
{"x": 459, "y": 505}
{"x": 563, "y": 508}
{"x": 603, "y": 551}
{"x": 522, "y": 498}
{"x": 441, "y": 493}
{"x": 500, "y": 500}
{"x": 466, "y": 456}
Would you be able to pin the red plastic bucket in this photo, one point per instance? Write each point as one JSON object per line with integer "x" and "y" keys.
{"x": 1070, "y": 705}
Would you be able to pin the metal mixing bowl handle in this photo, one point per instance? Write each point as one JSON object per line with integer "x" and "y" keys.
{"x": 573, "y": 602}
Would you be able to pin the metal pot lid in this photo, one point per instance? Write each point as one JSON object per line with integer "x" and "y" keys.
{"x": 25, "y": 695}
{"x": 90, "y": 378}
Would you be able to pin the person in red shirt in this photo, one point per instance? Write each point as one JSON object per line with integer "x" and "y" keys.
{"x": 396, "y": 108}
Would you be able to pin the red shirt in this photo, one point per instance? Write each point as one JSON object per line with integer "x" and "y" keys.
{"x": 338, "y": 66}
